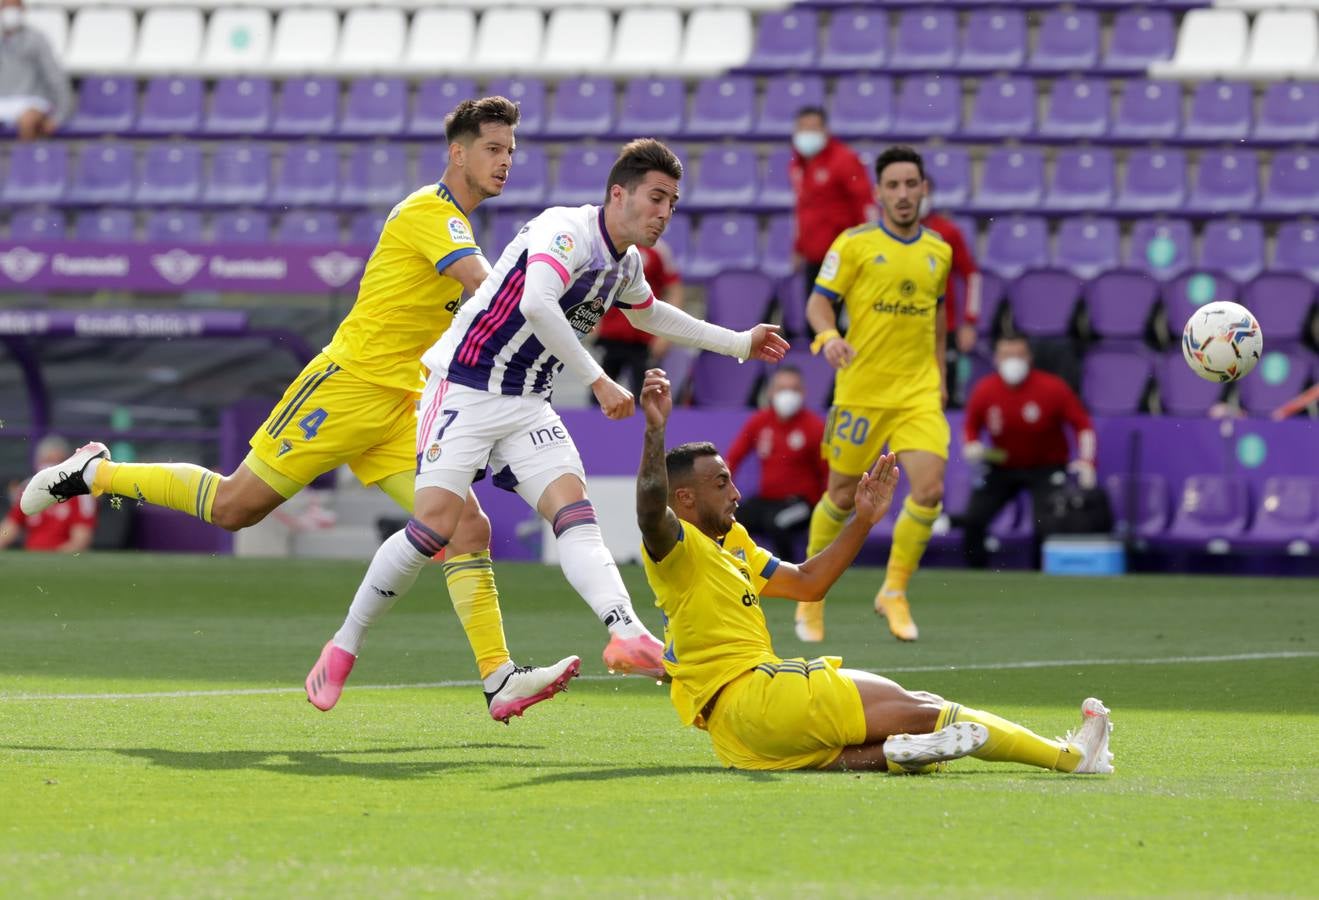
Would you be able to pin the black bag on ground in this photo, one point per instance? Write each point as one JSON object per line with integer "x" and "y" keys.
{"x": 1072, "y": 509}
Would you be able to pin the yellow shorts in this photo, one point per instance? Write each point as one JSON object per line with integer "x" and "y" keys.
{"x": 792, "y": 714}
{"x": 329, "y": 417}
{"x": 855, "y": 435}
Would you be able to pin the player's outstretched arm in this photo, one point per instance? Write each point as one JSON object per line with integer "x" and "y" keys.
{"x": 666, "y": 321}
{"x": 658, "y": 523}
{"x": 811, "y": 580}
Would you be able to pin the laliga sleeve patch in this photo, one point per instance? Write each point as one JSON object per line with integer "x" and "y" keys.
{"x": 562, "y": 246}
{"x": 829, "y": 268}
{"x": 459, "y": 233}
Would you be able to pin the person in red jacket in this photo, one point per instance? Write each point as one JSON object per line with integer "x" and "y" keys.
{"x": 627, "y": 349}
{"x": 965, "y": 277}
{"x": 64, "y": 528}
{"x": 786, "y": 438}
{"x": 1024, "y": 410}
{"x": 833, "y": 191}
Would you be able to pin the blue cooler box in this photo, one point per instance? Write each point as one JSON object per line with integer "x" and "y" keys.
{"x": 1084, "y": 554}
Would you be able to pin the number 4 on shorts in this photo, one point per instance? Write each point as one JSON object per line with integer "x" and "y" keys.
{"x": 312, "y": 422}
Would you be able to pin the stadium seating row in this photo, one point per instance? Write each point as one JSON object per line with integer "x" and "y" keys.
{"x": 1283, "y": 43}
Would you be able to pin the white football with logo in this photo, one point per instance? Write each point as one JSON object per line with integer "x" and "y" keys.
{"x": 1222, "y": 341}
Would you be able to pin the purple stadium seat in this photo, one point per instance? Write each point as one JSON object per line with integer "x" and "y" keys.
{"x": 1236, "y": 247}
{"x": 171, "y": 173}
{"x": 928, "y": 106}
{"x": 1014, "y": 244}
{"x": 678, "y": 235}
{"x": 1281, "y": 375}
{"x": 817, "y": 374}
{"x": 993, "y": 289}
{"x": 861, "y": 106}
{"x": 375, "y": 107}
{"x": 1181, "y": 391}
{"x": 1003, "y": 106}
{"x": 1161, "y": 247}
{"x": 726, "y": 177}
{"x": 106, "y": 105}
{"x": 784, "y": 95}
{"x": 307, "y": 107}
{"x": 776, "y": 259}
{"x": 171, "y": 106}
{"x": 925, "y": 40}
{"x": 776, "y": 187}
{"x": 241, "y": 227}
{"x": 529, "y": 94}
{"x": 37, "y": 225}
{"x": 1296, "y": 249}
{"x": 103, "y": 173}
{"x": 857, "y": 39}
{"x": 1119, "y": 304}
{"x": 1140, "y": 504}
{"x": 175, "y": 226}
{"x": 1083, "y": 179}
{"x": 1155, "y": 181}
{"x": 994, "y": 41}
{"x": 240, "y": 174}
{"x": 240, "y": 106}
{"x": 433, "y": 100}
{"x": 582, "y": 106}
{"x": 308, "y": 175}
{"x": 1220, "y": 111}
{"x": 1282, "y": 302}
{"x": 1114, "y": 382}
{"x": 1212, "y": 508}
{"x": 738, "y": 299}
{"x": 728, "y": 241}
{"x": 1087, "y": 247}
{"x": 504, "y": 226}
{"x": 1190, "y": 290}
{"x": 582, "y": 175}
{"x": 1012, "y": 178}
{"x": 308, "y": 227}
{"x": 1044, "y": 301}
{"x": 654, "y": 106}
{"x": 950, "y": 170}
{"x": 785, "y": 39}
{"x": 791, "y": 295}
{"x": 1288, "y": 513}
{"x": 1140, "y": 37}
{"x": 722, "y": 381}
{"x": 434, "y": 156}
{"x": 1068, "y": 40}
{"x": 1293, "y": 183}
{"x": 364, "y": 228}
{"x": 722, "y": 106}
{"x": 1226, "y": 181}
{"x": 1078, "y": 108}
{"x": 38, "y": 173}
{"x": 1289, "y": 112}
{"x": 377, "y": 176}
{"x": 105, "y": 226}
{"x": 1148, "y": 111}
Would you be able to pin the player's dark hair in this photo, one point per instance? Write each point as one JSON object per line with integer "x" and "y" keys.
{"x": 464, "y": 123}
{"x": 899, "y": 153}
{"x": 813, "y": 111}
{"x": 1014, "y": 337}
{"x": 786, "y": 369}
{"x": 681, "y": 460}
{"x": 639, "y": 158}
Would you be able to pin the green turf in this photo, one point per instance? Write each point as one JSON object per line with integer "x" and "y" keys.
{"x": 600, "y": 793}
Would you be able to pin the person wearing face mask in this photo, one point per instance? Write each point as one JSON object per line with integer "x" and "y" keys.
{"x": 832, "y": 188}
{"x": 35, "y": 96}
{"x": 786, "y": 438}
{"x": 1024, "y": 410}
{"x": 965, "y": 275}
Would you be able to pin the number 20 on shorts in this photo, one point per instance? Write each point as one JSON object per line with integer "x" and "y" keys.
{"x": 851, "y": 428}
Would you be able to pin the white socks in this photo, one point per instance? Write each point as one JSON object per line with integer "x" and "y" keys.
{"x": 393, "y": 571}
{"x": 591, "y": 570}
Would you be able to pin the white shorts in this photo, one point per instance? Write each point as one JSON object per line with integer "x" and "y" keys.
{"x": 460, "y": 431}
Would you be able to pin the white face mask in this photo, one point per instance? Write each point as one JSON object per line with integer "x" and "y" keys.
{"x": 1013, "y": 370}
{"x": 924, "y": 209}
{"x": 786, "y": 403}
{"x": 809, "y": 143}
{"x": 11, "y": 18}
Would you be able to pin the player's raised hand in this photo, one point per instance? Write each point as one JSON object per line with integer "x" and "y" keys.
{"x": 839, "y": 353}
{"x": 767, "y": 344}
{"x": 874, "y": 493}
{"x": 615, "y": 400}
{"x": 656, "y": 398}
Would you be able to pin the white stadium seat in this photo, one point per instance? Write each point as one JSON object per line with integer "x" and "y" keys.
{"x": 1210, "y": 42}
{"x": 305, "y": 40}
{"x": 372, "y": 40}
{"x": 237, "y": 41}
{"x": 102, "y": 39}
{"x": 577, "y": 40}
{"x": 54, "y": 24}
{"x": 169, "y": 41}
{"x": 1283, "y": 42}
{"x": 646, "y": 41}
{"x": 716, "y": 39}
{"x": 440, "y": 40}
{"x": 508, "y": 40}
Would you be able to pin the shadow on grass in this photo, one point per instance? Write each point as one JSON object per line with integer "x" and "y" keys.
{"x": 620, "y": 772}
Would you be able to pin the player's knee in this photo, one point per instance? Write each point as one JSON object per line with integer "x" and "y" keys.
{"x": 231, "y": 512}
{"x": 473, "y": 532}
{"x": 843, "y": 497}
{"x": 928, "y": 494}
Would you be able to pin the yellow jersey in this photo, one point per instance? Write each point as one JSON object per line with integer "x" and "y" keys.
{"x": 892, "y": 289}
{"x": 404, "y": 304}
{"x": 709, "y": 593}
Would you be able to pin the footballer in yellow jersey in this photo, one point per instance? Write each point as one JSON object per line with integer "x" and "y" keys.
{"x": 889, "y": 388}
{"x": 765, "y": 712}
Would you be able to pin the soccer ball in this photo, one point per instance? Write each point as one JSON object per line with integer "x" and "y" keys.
{"x": 1222, "y": 341}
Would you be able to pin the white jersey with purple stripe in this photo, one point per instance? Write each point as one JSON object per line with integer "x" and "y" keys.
{"x": 491, "y": 347}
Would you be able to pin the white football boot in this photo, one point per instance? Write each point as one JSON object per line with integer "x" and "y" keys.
{"x": 1092, "y": 738}
{"x": 915, "y": 752}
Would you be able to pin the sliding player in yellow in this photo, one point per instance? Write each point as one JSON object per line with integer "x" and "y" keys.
{"x": 764, "y": 712}
{"x": 355, "y": 404}
{"x": 889, "y": 390}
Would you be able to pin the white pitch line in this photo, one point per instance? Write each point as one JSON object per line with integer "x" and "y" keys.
{"x": 971, "y": 667}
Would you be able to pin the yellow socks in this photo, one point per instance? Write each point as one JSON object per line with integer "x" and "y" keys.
{"x": 1010, "y": 742}
{"x": 827, "y": 520}
{"x": 471, "y": 580}
{"x": 189, "y": 489}
{"x": 911, "y": 534}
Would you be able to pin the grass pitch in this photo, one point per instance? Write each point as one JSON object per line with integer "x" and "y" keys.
{"x": 154, "y": 742}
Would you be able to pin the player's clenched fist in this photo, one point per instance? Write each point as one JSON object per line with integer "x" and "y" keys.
{"x": 839, "y": 353}
{"x": 615, "y": 400}
{"x": 656, "y": 398}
